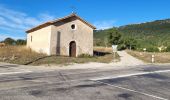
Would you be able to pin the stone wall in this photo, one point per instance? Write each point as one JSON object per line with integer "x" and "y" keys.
{"x": 82, "y": 35}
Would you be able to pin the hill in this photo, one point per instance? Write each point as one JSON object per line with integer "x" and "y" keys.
{"x": 156, "y": 33}
{"x": 100, "y": 36}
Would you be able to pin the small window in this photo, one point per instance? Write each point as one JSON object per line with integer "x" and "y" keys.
{"x": 31, "y": 38}
{"x": 73, "y": 27}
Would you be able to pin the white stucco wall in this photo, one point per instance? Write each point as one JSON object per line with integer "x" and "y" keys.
{"x": 40, "y": 40}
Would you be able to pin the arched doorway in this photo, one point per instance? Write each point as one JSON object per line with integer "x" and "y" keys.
{"x": 72, "y": 49}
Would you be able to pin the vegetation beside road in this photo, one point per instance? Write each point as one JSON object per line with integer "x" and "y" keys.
{"x": 23, "y": 55}
{"x": 10, "y": 41}
{"x": 102, "y": 55}
{"x": 18, "y": 54}
{"x": 163, "y": 57}
{"x": 150, "y": 35}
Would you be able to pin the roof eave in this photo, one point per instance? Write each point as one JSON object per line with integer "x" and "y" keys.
{"x": 52, "y": 22}
{"x": 38, "y": 27}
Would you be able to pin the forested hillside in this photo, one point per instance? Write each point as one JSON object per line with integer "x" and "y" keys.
{"x": 155, "y": 34}
{"x": 101, "y": 36}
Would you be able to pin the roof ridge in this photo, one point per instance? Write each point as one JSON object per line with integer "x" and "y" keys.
{"x": 57, "y": 20}
{"x": 72, "y": 14}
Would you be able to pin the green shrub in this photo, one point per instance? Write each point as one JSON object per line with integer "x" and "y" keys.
{"x": 152, "y": 49}
{"x": 121, "y": 47}
{"x": 20, "y": 42}
{"x": 168, "y": 48}
{"x": 139, "y": 49}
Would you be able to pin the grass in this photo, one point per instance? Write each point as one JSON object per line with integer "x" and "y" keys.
{"x": 22, "y": 55}
{"x": 18, "y": 54}
{"x": 163, "y": 57}
{"x": 102, "y": 55}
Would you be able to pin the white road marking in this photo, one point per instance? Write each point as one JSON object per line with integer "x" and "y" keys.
{"x": 9, "y": 73}
{"x": 150, "y": 95}
{"x": 129, "y": 75}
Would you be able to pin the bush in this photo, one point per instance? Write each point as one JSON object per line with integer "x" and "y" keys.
{"x": 21, "y": 42}
{"x": 152, "y": 49}
{"x": 139, "y": 49}
{"x": 130, "y": 43}
{"x": 168, "y": 48}
{"x": 121, "y": 47}
{"x": 98, "y": 43}
{"x": 9, "y": 41}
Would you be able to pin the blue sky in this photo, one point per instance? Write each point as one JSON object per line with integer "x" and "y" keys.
{"x": 16, "y": 16}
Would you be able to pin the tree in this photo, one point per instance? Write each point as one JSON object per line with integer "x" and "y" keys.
{"x": 106, "y": 42}
{"x": 130, "y": 43}
{"x": 21, "y": 42}
{"x": 9, "y": 41}
{"x": 114, "y": 37}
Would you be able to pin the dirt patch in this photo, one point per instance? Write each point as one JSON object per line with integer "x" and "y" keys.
{"x": 163, "y": 57}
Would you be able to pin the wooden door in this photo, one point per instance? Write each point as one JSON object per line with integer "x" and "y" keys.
{"x": 72, "y": 51}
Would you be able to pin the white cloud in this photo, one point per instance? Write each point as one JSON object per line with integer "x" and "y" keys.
{"x": 14, "y": 23}
{"x": 104, "y": 24}
{"x": 11, "y": 20}
{"x": 46, "y": 17}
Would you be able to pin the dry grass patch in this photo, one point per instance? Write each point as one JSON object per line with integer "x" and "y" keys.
{"x": 103, "y": 55}
{"x": 103, "y": 49}
{"x": 163, "y": 57}
{"x": 23, "y": 55}
{"x": 18, "y": 54}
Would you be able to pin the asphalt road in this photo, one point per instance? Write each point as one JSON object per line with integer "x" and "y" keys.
{"x": 150, "y": 82}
